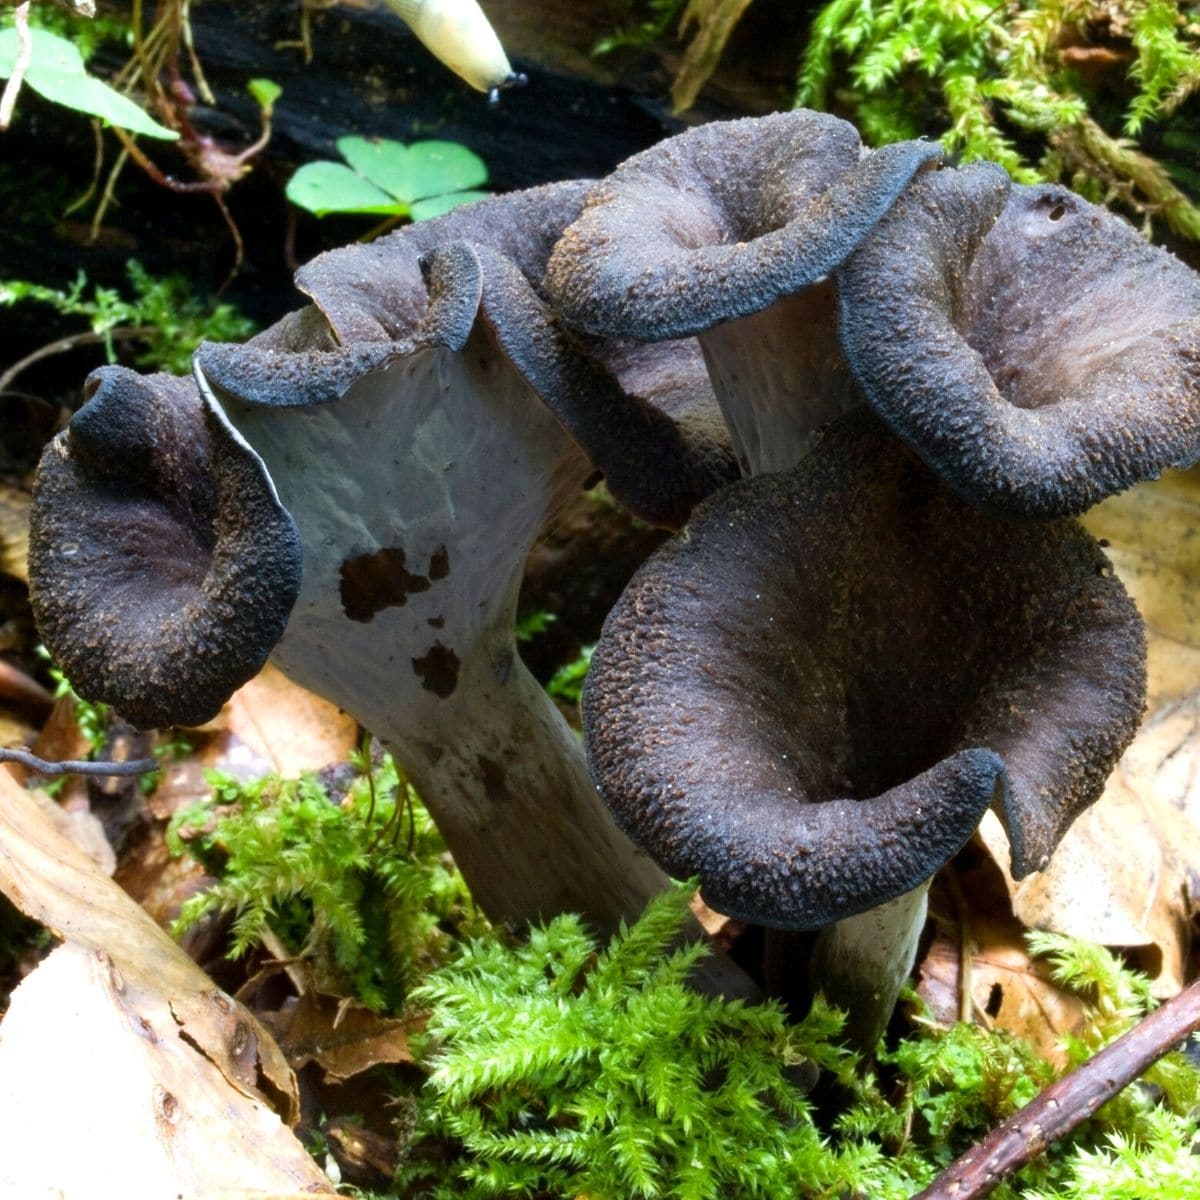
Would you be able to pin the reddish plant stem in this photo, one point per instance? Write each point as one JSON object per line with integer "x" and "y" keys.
{"x": 1067, "y": 1103}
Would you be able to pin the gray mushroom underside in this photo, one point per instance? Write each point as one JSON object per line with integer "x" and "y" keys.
{"x": 721, "y": 221}
{"x": 1031, "y": 347}
{"x": 810, "y": 696}
{"x": 658, "y": 465}
{"x": 377, "y": 292}
{"x": 162, "y": 566}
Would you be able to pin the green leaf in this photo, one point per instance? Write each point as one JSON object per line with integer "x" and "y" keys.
{"x": 436, "y": 206}
{"x": 56, "y": 71}
{"x": 265, "y": 91}
{"x": 329, "y": 187}
{"x": 50, "y": 52}
{"x": 414, "y": 172}
{"x": 88, "y": 94}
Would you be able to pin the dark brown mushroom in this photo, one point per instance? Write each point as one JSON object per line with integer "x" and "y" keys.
{"x": 727, "y": 232}
{"x": 1031, "y": 347}
{"x": 419, "y": 471}
{"x": 162, "y": 565}
{"x": 811, "y": 696}
{"x": 645, "y": 415}
{"x": 425, "y": 422}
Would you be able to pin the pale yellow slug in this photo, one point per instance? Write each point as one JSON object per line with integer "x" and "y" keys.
{"x": 459, "y": 34}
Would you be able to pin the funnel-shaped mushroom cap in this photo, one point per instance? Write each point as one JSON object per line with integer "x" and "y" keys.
{"x": 647, "y": 421}
{"x": 727, "y": 232}
{"x": 722, "y": 221}
{"x": 162, "y": 565}
{"x": 418, "y": 471}
{"x": 375, "y": 291}
{"x": 1031, "y": 347}
{"x": 811, "y": 696}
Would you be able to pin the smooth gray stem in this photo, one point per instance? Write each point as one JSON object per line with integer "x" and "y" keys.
{"x": 862, "y": 962}
{"x": 505, "y": 779}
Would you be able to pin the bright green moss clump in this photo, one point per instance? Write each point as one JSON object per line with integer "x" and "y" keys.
{"x": 1051, "y": 90}
{"x": 361, "y": 888}
{"x": 561, "y": 1069}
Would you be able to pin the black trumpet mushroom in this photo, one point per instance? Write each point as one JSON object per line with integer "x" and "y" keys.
{"x": 1033, "y": 348}
{"x": 729, "y": 232}
{"x": 413, "y": 430}
{"x": 811, "y": 697}
{"x": 163, "y": 567}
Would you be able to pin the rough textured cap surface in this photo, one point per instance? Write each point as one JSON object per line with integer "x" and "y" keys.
{"x": 374, "y": 291}
{"x": 162, "y": 565}
{"x": 658, "y": 459}
{"x": 811, "y": 695}
{"x": 1031, "y": 347}
{"x": 722, "y": 221}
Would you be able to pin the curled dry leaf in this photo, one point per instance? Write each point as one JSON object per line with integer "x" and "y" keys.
{"x": 133, "y": 1098}
{"x": 342, "y": 1036}
{"x": 1128, "y": 871}
{"x": 49, "y": 879}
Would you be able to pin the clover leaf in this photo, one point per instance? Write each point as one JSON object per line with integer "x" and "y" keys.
{"x": 387, "y": 178}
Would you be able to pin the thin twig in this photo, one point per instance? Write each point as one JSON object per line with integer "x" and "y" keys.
{"x": 62, "y": 345}
{"x": 1069, "y": 1102}
{"x": 8, "y": 100}
{"x": 136, "y": 766}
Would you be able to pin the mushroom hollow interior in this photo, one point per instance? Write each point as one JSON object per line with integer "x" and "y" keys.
{"x": 721, "y": 221}
{"x": 162, "y": 565}
{"x": 1061, "y": 292}
{"x": 810, "y": 696}
{"x": 1033, "y": 348}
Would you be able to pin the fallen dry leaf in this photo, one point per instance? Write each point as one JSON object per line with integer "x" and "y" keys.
{"x": 1153, "y": 538}
{"x": 14, "y": 532}
{"x": 273, "y": 724}
{"x": 91, "y": 1060}
{"x": 340, "y": 1035}
{"x": 1128, "y": 871}
{"x": 1008, "y": 989}
{"x": 49, "y": 879}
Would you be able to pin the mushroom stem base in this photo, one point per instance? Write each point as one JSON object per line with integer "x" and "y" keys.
{"x": 861, "y": 963}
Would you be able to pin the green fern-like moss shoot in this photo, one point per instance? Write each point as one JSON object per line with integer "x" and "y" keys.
{"x": 560, "y": 1069}
{"x": 363, "y": 888}
{"x": 1036, "y": 87}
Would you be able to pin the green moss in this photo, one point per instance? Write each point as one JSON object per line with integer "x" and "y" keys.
{"x": 1005, "y": 83}
{"x": 161, "y": 318}
{"x": 562, "y": 1069}
{"x": 362, "y": 888}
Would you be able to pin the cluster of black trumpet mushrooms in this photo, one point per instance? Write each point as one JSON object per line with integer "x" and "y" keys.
{"x": 870, "y": 392}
